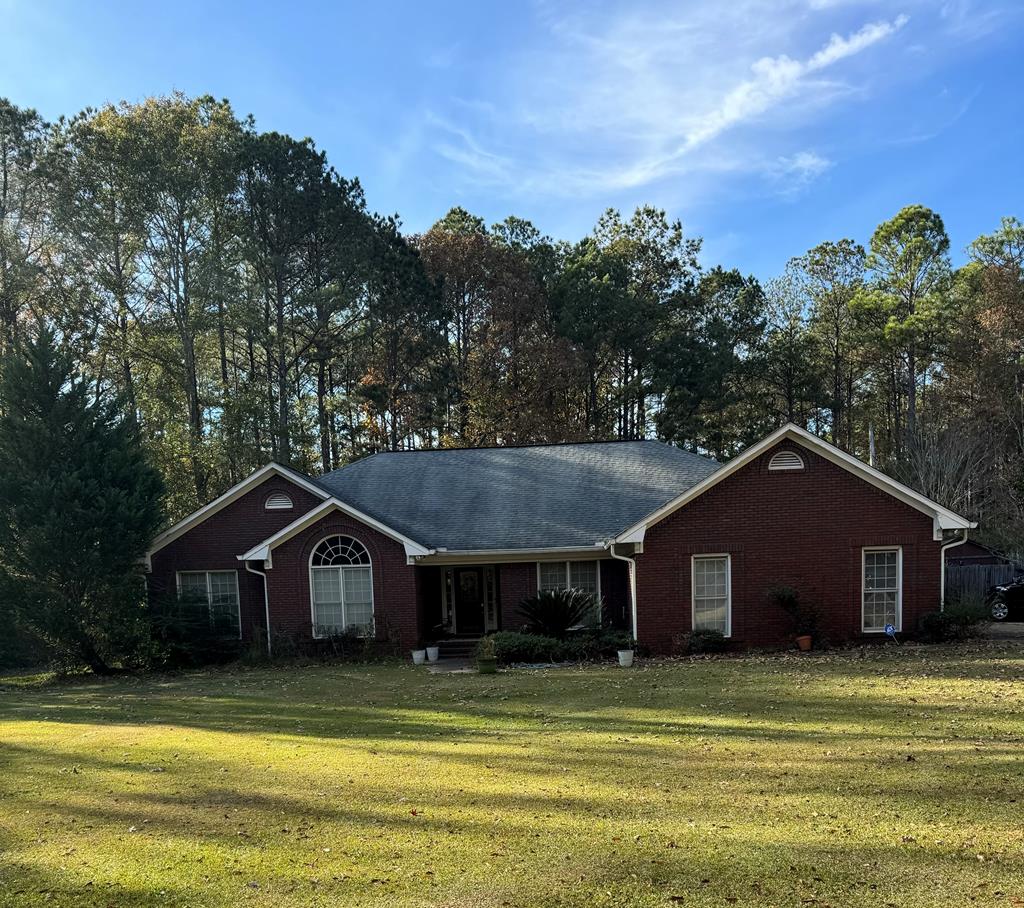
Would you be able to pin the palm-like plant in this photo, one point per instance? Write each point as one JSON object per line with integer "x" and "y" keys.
{"x": 553, "y": 612}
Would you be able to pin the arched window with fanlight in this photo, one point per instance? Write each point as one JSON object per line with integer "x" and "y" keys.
{"x": 341, "y": 581}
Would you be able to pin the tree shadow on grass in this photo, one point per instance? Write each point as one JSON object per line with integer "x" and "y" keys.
{"x": 802, "y": 717}
{"x": 23, "y": 883}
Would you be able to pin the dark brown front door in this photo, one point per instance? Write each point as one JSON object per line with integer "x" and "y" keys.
{"x": 469, "y": 600}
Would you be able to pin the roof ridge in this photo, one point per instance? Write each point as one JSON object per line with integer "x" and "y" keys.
{"x": 532, "y": 444}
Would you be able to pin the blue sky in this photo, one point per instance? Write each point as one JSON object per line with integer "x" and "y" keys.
{"x": 766, "y": 127}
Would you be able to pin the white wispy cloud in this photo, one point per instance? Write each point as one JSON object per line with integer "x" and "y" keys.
{"x": 776, "y": 78}
{"x": 643, "y": 97}
{"x": 793, "y": 173}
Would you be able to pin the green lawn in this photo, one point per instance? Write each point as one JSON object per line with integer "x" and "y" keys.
{"x": 892, "y": 778}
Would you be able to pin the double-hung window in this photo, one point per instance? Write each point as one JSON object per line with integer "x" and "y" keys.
{"x": 882, "y": 589}
{"x": 712, "y": 594}
{"x": 219, "y": 589}
{"x": 584, "y": 576}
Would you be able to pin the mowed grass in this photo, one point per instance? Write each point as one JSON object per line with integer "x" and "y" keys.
{"x": 885, "y": 777}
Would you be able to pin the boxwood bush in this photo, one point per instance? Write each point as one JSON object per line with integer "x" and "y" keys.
{"x": 706, "y": 641}
{"x": 958, "y": 620}
{"x": 579, "y": 646}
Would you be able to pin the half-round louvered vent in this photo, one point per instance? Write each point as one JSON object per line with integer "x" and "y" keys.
{"x": 786, "y": 460}
{"x": 279, "y": 502}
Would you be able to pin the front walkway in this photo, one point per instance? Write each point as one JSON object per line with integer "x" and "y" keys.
{"x": 451, "y": 666}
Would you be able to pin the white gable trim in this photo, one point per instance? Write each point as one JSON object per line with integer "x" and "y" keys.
{"x": 233, "y": 494}
{"x": 264, "y": 550}
{"x": 943, "y": 518}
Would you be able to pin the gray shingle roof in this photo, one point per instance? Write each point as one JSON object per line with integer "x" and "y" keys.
{"x": 544, "y": 496}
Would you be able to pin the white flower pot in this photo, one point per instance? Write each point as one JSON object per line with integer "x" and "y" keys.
{"x": 625, "y": 657}
{"x": 419, "y": 656}
{"x": 433, "y": 653}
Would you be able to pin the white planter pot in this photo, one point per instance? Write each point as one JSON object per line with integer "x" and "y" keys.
{"x": 419, "y": 656}
{"x": 433, "y": 653}
{"x": 625, "y": 657}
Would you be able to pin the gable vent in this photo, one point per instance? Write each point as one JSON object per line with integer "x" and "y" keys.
{"x": 278, "y": 502}
{"x": 786, "y": 460}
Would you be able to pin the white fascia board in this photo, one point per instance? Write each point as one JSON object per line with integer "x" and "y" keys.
{"x": 943, "y": 517}
{"x": 232, "y": 494}
{"x": 263, "y": 551}
{"x": 508, "y": 556}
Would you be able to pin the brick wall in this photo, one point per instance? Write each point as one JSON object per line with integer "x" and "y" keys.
{"x": 804, "y": 529}
{"x": 516, "y": 582}
{"x": 213, "y": 544}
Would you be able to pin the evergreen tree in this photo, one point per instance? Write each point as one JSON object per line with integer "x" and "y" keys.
{"x": 79, "y": 504}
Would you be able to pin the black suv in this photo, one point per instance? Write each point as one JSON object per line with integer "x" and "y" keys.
{"x": 1006, "y": 601}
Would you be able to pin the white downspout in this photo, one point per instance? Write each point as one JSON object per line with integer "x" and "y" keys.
{"x": 632, "y": 582}
{"x": 942, "y": 555}
{"x": 266, "y": 602}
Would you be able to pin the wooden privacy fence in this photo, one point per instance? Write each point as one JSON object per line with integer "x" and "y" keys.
{"x": 975, "y": 580}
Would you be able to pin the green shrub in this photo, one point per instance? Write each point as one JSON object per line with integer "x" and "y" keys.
{"x": 551, "y": 613}
{"x": 512, "y": 646}
{"x": 958, "y": 620}
{"x": 347, "y": 646}
{"x": 804, "y": 617}
{"x": 706, "y": 641}
{"x": 592, "y": 645}
{"x": 184, "y": 636}
{"x": 580, "y": 646}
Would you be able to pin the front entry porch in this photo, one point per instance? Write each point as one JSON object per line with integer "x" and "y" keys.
{"x": 459, "y": 603}
{"x": 469, "y": 600}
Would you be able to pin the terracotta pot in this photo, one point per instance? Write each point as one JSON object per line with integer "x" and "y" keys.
{"x": 804, "y": 642}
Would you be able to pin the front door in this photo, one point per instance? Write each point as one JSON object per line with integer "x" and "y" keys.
{"x": 468, "y": 587}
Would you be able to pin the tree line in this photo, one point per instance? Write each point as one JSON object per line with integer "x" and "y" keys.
{"x": 241, "y": 302}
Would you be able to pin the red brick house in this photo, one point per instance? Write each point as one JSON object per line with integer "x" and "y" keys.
{"x": 419, "y": 545}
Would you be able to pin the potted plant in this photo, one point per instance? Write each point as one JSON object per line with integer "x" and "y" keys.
{"x": 626, "y": 652}
{"x": 433, "y": 652}
{"x": 419, "y": 656}
{"x": 804, "y": 617}
{"x": 486, "y": 657}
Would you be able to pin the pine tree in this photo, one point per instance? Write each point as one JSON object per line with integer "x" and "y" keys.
{"x": 79, "y": 504}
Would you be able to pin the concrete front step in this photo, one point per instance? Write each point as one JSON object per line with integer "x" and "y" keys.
{"x": 458, "y": 647}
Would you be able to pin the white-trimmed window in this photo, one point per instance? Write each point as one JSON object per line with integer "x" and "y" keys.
{"x": 584, "y": 576}
{"x": 786, "y": 460}
{"x": 712, "y": 593}
{"x": 278, "y": 502}
{"x": 220, "y": 590}
{"x": 881, "y": 589}
{"x": 341, "y": 587}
